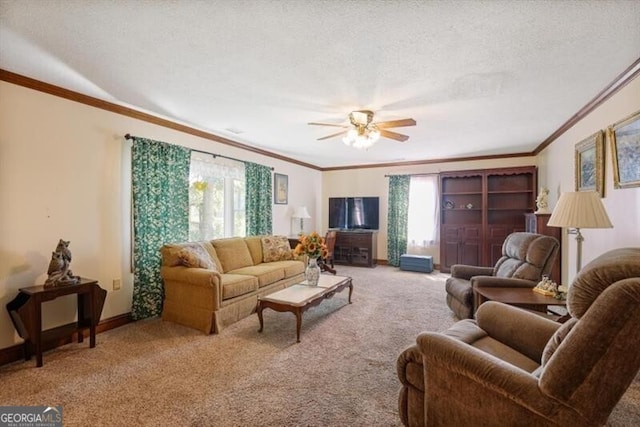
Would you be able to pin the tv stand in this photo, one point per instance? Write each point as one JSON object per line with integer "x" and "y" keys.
{"x": 356, "y": 247}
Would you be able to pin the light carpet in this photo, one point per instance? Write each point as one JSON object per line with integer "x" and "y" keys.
{"x": 343, "y": 373}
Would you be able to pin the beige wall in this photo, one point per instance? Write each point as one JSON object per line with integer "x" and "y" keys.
{"x": 556, "y": 172}
{"x": 65, "y": 173}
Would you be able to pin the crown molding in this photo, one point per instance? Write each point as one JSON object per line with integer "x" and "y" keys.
{"x": 58, "y": 91}
{"x": 618, "y": 83}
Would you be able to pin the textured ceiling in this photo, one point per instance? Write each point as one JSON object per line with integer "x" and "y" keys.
{"x": 479, "y": 77}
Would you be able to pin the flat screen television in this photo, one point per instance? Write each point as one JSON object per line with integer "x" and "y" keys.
{"x": 354, "y": 213}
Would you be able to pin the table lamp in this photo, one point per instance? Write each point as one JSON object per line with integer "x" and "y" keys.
{"x": 302, "y": 214}
{"x": 582, "y": 209}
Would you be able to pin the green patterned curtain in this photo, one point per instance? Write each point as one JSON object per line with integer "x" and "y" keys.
{"x": 258, "y": 199}
{"x": 160, "y": 181}
{"x": 397, "y": 217}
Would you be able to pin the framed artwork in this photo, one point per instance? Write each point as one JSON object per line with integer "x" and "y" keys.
{"x": 625, "y": 151}
{"x": 280, "y": 189}
{"x": 590, "y": 164}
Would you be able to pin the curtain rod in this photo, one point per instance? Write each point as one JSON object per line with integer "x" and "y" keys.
{"x": 129, "y": 136}
{"x": 412, "y": 174}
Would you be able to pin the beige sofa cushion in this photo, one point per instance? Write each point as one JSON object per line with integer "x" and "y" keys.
{"x": 233, "y": 253}
{"x": 266, "y": 273}
{"x": 276, "y": 248}
{"x": 234, "y": 285}
{"x": 291, "y": 268}
{"x": 254, "y": 243}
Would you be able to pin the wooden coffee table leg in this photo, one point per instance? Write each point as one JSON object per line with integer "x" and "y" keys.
{"x": 259, "y": 311}
{"x": 298, "y": 314}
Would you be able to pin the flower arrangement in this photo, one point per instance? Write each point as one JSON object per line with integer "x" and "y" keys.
{"x": 311, "y": 245}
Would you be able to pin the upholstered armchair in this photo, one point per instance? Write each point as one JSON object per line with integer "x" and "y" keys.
{"x": 526, "y": 257}
{"x": 513, "y": 367}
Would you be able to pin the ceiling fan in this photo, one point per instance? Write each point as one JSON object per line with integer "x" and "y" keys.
{"x": 364, "y": 132}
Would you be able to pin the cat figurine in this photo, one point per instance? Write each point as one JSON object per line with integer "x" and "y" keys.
{"x": 63, "y": 248}
{"x": 59, "y": 271}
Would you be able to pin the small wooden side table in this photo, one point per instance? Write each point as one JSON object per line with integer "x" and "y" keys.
{"x": 520, "y": 297}
{"x": 26, "y": 314}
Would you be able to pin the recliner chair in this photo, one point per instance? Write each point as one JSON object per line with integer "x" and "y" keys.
{"x": 513, "y": 367}
{"x": 526, "y": 257}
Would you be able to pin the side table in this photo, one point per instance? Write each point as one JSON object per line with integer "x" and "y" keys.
{"x": 519, "y": 297}
{"x": 26, "y": 314}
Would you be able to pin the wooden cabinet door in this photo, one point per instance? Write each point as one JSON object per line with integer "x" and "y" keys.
{"x": 470, "y": 247}
{"x": 496, "y": 235}
{"x": 449, "y": 247}
{"x": 460, "y": 245}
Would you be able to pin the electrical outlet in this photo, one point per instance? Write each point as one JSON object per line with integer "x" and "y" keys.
{"x": 116, "y": 284}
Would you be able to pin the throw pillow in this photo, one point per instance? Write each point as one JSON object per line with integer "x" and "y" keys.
{"x": 276, "y": 248}
{"x": 195, "y": 256}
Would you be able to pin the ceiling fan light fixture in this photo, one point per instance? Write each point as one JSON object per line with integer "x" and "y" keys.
{"x": 364, "y": 132}
{"x": 361, "y": 117}
{"x": 362, "y": 137}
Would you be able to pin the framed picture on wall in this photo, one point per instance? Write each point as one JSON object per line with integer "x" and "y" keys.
{"x": 625, "y": 151}
{"x": 280, "y": 189}
{"x": 589, "y": 164}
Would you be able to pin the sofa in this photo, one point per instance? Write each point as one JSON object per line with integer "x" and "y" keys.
{"x": 211, "y": 284}
{"x": 510, "y": 366}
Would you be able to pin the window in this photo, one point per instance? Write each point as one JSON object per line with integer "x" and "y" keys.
{"x": 423, "y": 211}
{"x": 216, "y": 197}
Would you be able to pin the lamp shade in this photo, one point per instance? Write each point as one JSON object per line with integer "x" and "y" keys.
{"x": 582, "y": 209}
{"x": 301, "y": 212}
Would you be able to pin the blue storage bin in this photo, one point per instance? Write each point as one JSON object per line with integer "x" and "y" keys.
{"x": 422, "y": 263}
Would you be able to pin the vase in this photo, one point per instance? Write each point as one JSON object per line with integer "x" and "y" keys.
{"x": 312, "y": 273}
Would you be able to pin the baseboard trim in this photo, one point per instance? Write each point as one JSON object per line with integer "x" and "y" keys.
{"x": 15, "y": 352}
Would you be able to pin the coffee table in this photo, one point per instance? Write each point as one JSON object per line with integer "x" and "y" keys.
{"x": 520, "y": 297}
{"x": 300, "y": 297}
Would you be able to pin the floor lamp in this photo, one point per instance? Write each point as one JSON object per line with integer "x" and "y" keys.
{"x": 582, "y": 209}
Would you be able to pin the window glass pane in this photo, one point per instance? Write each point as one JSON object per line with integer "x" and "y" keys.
{"x": 422, "y": 221}
{"x": 216, "y": 197}
{"x": 239, "y": 223}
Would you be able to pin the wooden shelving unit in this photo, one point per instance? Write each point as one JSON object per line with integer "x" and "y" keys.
{"x": 479, "y": 209}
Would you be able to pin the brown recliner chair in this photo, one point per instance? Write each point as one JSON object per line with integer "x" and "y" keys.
{"x": 513, "y": 367}
{"x": 526, "y": 257}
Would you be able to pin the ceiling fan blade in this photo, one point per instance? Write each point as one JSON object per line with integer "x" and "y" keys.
{"x": 396, "y": 123}
{"x": 393, "y": 135}
{"x": 327, "y": 124}
{"x": 334, "y": 135}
